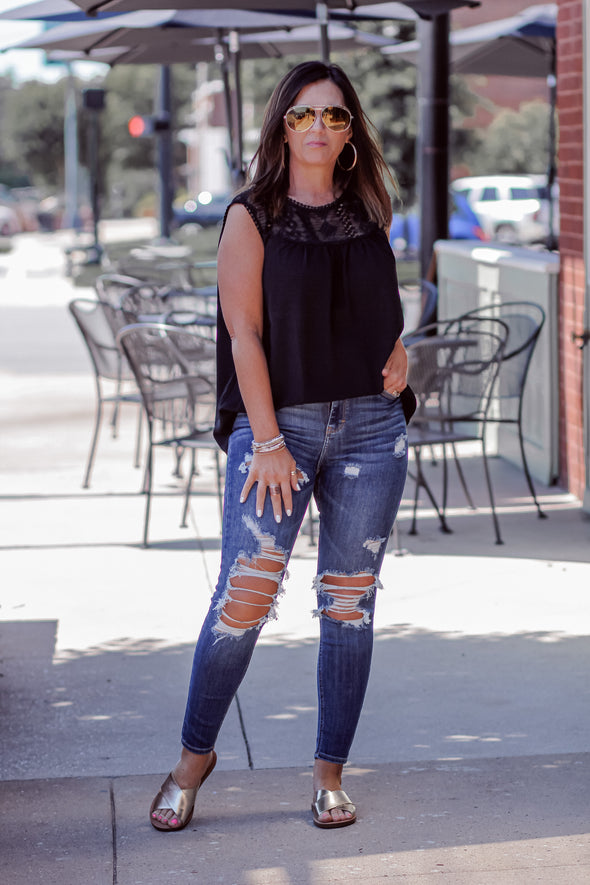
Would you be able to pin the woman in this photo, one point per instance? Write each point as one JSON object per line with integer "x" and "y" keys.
{"x": 310, "y": 372}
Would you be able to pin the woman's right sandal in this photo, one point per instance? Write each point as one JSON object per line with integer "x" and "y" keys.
{"x": 330, "y": 800}
{"x": 171, "y": 797}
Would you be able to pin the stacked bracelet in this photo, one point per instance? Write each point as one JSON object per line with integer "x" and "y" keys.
{"x": 270, "y": 445}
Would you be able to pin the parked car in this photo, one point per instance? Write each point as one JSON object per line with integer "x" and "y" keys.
{"x": 509, "y": 206}
{"x": 207, "y": 210}
{"x": 404, "y": 233}
{"x": 9, "y": 223}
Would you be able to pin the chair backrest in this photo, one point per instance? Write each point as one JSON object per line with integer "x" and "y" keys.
{"x": 175, "y": 372}
{"x": 111, "y": 287}
{"x": 92, "y": 319}
{"x": 143, "y": 302}
{"x": 429, "y": 303}
{"x": 524, "y": 320}
{"x": 452, "y": 368}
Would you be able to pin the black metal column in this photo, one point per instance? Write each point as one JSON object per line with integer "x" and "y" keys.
{"x": 433, "y": 133}
{"x": 164, "y": 151}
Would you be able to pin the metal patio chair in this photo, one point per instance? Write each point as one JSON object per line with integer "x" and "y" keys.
{"x": 524, "y": 320}
{"x": 175, "y": 372}
{"x": 114, "y": 379}
{"x": 452, "y": 369}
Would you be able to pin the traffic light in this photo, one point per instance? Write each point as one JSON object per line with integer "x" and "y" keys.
{"x": 143, "y": 127}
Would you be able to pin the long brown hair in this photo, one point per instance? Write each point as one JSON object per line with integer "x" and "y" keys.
{"x": 270, "y": 165}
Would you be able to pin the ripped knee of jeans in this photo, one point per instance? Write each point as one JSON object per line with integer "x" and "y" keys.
{"x": 340, "y": 597}
{"x": 253, "y": 586}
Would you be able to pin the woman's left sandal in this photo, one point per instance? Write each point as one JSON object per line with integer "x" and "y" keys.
{"x": 171, "y": 797}
{"x": 330, "y": 800}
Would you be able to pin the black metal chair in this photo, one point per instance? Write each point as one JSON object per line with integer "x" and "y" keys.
{"x": 452, "y": 369}
{"x": 524, "y": 320}
{"x": 114, "y": 379}
{"x": 175, "y": 372}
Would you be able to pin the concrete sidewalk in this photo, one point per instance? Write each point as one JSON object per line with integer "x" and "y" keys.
{"x": 472, "y": 760}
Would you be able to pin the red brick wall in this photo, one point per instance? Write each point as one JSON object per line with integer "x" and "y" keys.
{"x": 571, "y": 181}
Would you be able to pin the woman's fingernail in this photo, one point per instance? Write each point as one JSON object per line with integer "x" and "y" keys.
{"x": 288, "y": 512}
{"x": 278, "y": 517}
{"x": 242, "y": 499}
{"x": 259, "y": 513}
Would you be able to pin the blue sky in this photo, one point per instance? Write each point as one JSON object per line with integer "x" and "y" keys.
{"x": 28, "y": 64}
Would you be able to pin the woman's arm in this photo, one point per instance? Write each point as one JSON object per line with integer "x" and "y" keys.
{"x": 239, "y": 264}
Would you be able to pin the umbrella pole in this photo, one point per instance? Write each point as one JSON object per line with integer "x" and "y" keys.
{"x": 238, "y": 166}
{"x": 221, "y": 57}
{"x": 164, "y": 149}
{"x": 321, "y": 11}
{"x": 72, "y": 218}
{"x": 433, "y": 134}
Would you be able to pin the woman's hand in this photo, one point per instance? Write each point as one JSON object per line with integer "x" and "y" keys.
{"x": 277, "y": 473}
{"x": 395, "y": 370}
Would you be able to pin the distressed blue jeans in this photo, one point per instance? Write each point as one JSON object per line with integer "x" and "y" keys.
{"x": 352, "y": 455}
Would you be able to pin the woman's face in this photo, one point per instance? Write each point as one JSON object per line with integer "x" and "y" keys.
{"x": 317, "y": 146}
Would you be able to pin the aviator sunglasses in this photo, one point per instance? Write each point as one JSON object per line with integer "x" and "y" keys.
{"x": 302, "y": 117}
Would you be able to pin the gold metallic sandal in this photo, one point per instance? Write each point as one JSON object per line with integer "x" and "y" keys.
{"x": 329, "y": 800}
{"x": 181, "y": 802}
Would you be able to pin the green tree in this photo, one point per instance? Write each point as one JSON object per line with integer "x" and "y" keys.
{"x": 32, "y": 131}
{"x": 515, "y": 141}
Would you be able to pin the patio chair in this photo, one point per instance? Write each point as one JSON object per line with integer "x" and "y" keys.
{"x": 114, "y": 380}
{"x": 175, "y": 372}
{"x": 111, "y": 287}
{"x": 524, "y": 320}
{"x": 429, "y": 303}
{"x": 452, "y": 369}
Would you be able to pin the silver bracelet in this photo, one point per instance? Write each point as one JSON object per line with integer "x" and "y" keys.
{"x": 269, "y": 445}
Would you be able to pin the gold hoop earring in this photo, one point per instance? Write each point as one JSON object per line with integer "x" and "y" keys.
{"x": 351, "y": 167}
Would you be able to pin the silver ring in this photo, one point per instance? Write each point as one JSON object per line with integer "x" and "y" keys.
{"x": 293, "y": 473}
{"x": 275, "y": 490}
{"x": 395, "y": 393}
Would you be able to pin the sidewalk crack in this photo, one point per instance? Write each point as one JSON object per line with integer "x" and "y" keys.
{"x": 113, "y": 830}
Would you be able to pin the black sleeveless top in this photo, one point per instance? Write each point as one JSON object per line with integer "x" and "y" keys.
{"x": 332, "y": 311}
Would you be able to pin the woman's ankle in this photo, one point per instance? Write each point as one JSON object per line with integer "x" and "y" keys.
{"x": 190, "y": 768}
{"x": 327, "y": 775}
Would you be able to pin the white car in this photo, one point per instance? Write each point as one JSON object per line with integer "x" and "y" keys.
{"x": 9, "y": 223}
{"x": 509, "y": 206}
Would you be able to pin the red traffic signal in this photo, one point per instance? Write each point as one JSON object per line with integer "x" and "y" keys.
{"x": 138, "y": 126}
{"x": 141, "y": 127}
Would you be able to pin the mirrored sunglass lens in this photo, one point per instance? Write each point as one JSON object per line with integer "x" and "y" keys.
{"x": 300, "y": 118}
{"x": 336, "y": 118}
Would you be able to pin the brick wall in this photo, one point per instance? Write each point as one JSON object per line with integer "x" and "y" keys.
{"x": 571, "y": 302}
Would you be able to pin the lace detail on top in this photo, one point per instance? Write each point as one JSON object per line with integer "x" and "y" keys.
{"x": 341, "y": 220}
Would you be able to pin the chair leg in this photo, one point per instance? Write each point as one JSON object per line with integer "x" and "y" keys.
{"x": 187, "y": 494}
{"x": 310, "y": 523}
{"x": 137, "y": 459}
{"x": 421, "y": 483}
{"x": 115, "y": 415}
{"x": 491, "y": 494}
{"x": 461, "y": 476}
{"x": 529, "y": 478}
{"x": 219, "y": 488}
{"x": 148, "y": 489}
{"x": 92, "y": 452}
